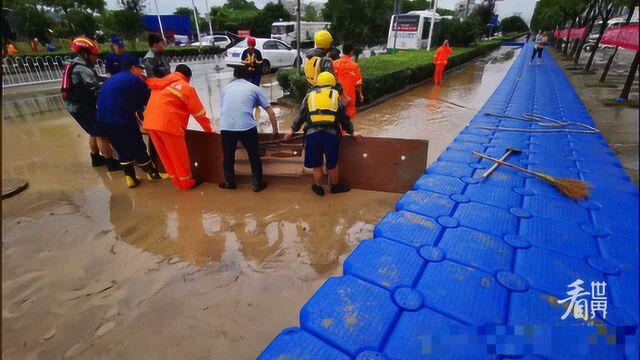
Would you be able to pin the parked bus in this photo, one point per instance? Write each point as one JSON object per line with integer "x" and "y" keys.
{"x": 287, "y": 32}
{"x": 413, "y": 30}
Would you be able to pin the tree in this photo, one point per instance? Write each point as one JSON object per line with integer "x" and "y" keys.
{"x": 133, "y": 5}
{"x": 30, "y": 20}
{"x": 413, "y": 5}
{"x": 310, "y": 13}
{"x": 126, "y": 23}
{"x": 269, "y": 14}
{"x": 361, "y": 22}
{"x": 513, "y": 24}
{"x": 630, "y": 10}
{"x": 459, "y": 33}
{"x": 605, "y": 10}
{"x": 589, "y": 19}
{"x": 485, "y": 13}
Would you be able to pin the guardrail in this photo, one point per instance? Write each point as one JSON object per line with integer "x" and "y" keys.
{"x": 31, "y": 70}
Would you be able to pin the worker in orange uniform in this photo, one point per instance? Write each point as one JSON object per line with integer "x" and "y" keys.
{"x": 441, "y": 57}
{"x": 166, "y": 118}
{"x": 348, "y": 74}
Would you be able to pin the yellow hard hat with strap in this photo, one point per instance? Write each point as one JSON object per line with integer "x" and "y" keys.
{"x": 323, "y": 105}
{"x": 323, "y": 39}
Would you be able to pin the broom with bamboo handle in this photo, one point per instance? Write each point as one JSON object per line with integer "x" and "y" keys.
{"x": 571, "y": 188}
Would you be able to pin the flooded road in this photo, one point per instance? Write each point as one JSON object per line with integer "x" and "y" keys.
{"x": 94, "y": 270}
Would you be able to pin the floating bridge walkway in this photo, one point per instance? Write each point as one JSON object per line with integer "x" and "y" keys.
{"x": 466, "y": 268}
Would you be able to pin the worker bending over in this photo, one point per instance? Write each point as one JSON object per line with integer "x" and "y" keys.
{"x": 121, "y": 96}
{"x": 440, "y": 59}
{"x": 348, "y": 74}
{"x": 166, "y": 118}
{"x": 80, "y": 88}
{"x": 323, "y": 113}
{"x": 237, "y": 123}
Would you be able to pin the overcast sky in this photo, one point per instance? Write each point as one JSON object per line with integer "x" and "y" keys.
{"x": 168, "y": 6}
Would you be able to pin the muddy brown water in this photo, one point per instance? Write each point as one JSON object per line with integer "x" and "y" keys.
{"x": 94, "y": 270}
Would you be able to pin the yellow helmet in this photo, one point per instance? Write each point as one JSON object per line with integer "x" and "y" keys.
{"x": 323, "y": 39}
{"x": 326, "y": 79}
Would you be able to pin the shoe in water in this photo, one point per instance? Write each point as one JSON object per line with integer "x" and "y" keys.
{"x": 339, "y": 188}
{"x": 113, "y": 165}
{"x": 97, "y": 160}
{"x": 318, "y": 190}
{"x": 228, "y": 186}
{"x": 259, "y": 186}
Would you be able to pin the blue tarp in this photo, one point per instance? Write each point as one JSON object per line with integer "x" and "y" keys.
{"x": 171, "y": 24}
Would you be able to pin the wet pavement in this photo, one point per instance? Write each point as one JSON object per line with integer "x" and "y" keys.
{"x": 92, "y": 269}
{"x": 619, "y": 124}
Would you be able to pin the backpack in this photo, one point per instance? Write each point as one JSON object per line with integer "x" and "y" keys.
{"x": 312, "y": 69}
{"x": 66, "y": 88}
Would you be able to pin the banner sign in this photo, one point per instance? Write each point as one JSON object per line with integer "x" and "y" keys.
{"x": 625, "y": 37}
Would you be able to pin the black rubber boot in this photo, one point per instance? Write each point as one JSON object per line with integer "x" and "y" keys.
{"x": 258, "y": 184}
{"x": 97, "y": 160}
{"x": 229, "y": 182}
{"x": 339, "y": 188}
{"x": 114, "y": 165}
{"x": 198, "y": 183}
{"x": 130, "y": 175}
{"x": 152, "y": 173}
{"x": 319, "y": 190}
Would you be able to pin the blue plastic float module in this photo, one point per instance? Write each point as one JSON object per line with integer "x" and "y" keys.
{"x": 466, "y": 268}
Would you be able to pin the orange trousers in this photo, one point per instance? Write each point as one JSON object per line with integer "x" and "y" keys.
{"x": 172, "y": 150}
{"x": 437, "y": 75}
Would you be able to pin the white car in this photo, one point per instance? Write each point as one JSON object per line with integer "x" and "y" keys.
{"x": 220, "y": 41}
{"x": 275, "y": 54}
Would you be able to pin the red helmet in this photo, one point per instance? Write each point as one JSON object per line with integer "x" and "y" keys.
{"x": 82, "y": 42}
{"x": 251, "y": 41}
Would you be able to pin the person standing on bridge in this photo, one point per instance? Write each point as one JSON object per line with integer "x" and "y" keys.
{"x": 237, "y": 123}
{"x": 541, "y": 40}
{"x": 156, "y": 64}
{"x": 121, "y": 97}
{"x": 323, "y": 114}
{"x": 166, "y": 118}
{"x": 441, "y": 58}
{"x": 349, "y": 75}
{"x": 80, "y": 88}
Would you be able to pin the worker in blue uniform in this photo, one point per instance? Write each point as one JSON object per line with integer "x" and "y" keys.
{"x": 120, "y": 98}
{"x": 113, "y": 60}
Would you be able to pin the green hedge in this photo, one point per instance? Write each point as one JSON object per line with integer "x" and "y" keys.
{"x": 179, "y": 51}
{"x": 387, "y": 74}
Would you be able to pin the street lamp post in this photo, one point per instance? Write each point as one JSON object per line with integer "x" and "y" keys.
{"x": 160, "y": 21}
{"x": 299, "y": 63}
{"x": 206, "y": 3}
{"x": 195, "y": 15}
{"x": 433, "y": 19}
{"x": 396, "y": 12}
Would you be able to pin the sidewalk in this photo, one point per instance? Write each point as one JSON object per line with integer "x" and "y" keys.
{"x": 488, "y": 261}
{"x": 619, "y": 124}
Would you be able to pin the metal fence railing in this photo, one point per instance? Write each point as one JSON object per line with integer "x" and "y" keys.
{"x": 31, "y": 70}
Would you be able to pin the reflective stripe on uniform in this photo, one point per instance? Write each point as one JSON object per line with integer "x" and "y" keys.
{"x": 184, "y": 178}
{"x": 175, "y": 92}
{"x": 200, "y": 113}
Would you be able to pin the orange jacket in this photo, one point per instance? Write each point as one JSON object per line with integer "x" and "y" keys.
{"x": 348, "y": 74}
{"x": 172, "y": 101}
{"x": 442, "y": 54}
